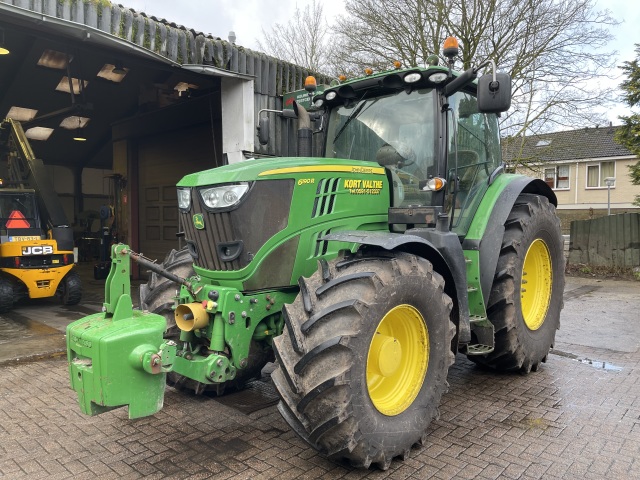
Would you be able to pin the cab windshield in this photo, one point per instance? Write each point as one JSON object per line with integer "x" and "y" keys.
{"x": 18, "y": 210}
{"x": 395, "y": 130}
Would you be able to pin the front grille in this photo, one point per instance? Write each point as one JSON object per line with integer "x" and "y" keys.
{"x": 263, "y": 212}
{"x": 43, "y": 283}
{"x": 203, "y": 243}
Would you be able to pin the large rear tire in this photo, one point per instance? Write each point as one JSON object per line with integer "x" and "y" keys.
{"x": 363, "y": 362}
{"x": 526, "y": 296}
{"x": 157, "y": 296}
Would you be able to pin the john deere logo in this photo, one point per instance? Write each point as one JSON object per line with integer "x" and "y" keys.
{"x": 198, "y": 221}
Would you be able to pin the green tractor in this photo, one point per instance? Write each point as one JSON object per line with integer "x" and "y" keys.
{"x": 362, "y": 271}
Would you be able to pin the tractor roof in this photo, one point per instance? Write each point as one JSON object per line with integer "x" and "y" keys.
{"x": 391, "y": 80}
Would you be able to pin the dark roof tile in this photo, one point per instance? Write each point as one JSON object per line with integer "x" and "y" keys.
{"x": 585, "y": 143}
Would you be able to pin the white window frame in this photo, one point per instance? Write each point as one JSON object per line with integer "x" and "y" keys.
{"x": 568, "y": 187}
{"x": 555, "y": 176}
{"x": 599, "y": 165}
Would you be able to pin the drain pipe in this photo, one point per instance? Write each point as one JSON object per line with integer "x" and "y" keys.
{"x": 305, "y": 133}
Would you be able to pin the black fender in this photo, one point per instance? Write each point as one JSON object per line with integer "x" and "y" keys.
{"x": 490, "y": 244}
{"x": 442, "y": 249}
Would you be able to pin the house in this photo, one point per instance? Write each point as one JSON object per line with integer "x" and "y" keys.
{"x": 577, "y": 164}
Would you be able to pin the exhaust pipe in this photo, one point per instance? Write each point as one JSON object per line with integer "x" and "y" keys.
{"x": 305, "y": 133}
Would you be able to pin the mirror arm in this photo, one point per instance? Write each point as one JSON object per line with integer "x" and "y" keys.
{"x": 281, "y": 112}
{"x": 493, "y": 68}
{"x": 268, "y": 110}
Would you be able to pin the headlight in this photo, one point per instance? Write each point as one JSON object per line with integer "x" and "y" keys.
{"x": 412, "y": 77}
{"x": 224, "y": 196}
{"x": 330, "y": 95}
{"x": 184, "y": 198}
{"x": 438, "y": 77}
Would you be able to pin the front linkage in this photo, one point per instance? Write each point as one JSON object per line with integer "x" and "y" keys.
{"x": 120, "y": 356}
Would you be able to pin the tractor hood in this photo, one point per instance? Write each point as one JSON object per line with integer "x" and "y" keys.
{"x": 276, "y": 168}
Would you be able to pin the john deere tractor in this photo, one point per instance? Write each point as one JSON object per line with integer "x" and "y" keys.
{"x": 363, "y": 270}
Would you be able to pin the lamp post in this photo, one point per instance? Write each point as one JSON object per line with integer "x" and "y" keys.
{"x": 610, "y": 182}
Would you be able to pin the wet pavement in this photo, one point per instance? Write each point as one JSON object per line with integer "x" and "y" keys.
{"x": 577, "y": 417}
{"x": 34, "y": 329}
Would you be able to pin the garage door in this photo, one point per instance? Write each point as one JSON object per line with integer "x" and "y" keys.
{"x": 163, "y": 161}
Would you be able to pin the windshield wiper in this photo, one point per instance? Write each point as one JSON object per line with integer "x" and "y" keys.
{"x": 354, "y": 114}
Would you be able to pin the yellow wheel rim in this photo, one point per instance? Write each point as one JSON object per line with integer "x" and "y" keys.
{"x": 537, "y": 278}
{"x": 397, "y": 360}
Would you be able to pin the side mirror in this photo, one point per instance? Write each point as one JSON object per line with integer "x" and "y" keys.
{"x": 263, "y": 130}
{"x": 263, "y": 122}
{"x": 494, "y": 96}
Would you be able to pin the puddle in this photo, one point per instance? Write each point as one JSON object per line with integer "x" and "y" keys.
{"x": 600, "y": 365}
{"x": 14, "y": 326}
{"x": 22, "y": 338}
{"x": 32, "y": 348}
{"x": 587, "y": 361}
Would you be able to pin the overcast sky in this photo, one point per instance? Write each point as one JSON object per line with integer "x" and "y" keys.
{"x": 247, "y": 18}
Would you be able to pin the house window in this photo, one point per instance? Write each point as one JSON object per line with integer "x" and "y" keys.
{"x": 562, "y": 179}
{"x": 557, "y": 177}
{"x": 598, "y": 172}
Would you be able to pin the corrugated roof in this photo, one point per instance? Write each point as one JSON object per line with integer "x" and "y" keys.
{"x": 116, "y": 26}
{"x": 581, "y": 144}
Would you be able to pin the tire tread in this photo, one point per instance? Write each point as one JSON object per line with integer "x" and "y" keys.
{"x": 318, "y": 354}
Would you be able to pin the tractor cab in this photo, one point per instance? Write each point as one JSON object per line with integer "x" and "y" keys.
{"x": 438, "y": 151}
{"x": 435, "y": 131}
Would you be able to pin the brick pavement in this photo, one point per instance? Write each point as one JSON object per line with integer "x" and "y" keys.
{"x": 568, "y": 420}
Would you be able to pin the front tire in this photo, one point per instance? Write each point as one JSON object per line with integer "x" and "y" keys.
{"x": 363, "y": 362}
{"x": 157, "y": 295}
{"x": 526, "y": 296}
{"x": 6, "y": 295}
{"x": 70, "y": 289}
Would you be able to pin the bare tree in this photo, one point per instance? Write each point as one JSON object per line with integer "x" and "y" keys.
{"x": 551, "y": 48}
{"x": 302, "y": 40}
{"x": 376, "y": 33}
